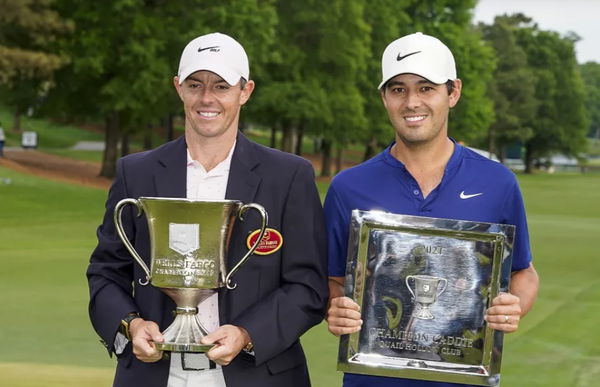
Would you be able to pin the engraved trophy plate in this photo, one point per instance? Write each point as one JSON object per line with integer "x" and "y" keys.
{"x": 423, "y": 285}
{"x": 188, "y": 256}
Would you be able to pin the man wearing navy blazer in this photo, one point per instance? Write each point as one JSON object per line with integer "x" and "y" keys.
{"x": 279, "y": 295}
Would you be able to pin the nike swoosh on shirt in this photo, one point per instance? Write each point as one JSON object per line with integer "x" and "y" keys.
{"x": 463, "y": 195}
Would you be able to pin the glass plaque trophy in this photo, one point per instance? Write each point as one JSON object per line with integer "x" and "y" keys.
{"x": 423, "y": 285}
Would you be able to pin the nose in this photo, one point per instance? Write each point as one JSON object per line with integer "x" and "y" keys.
{"x": 413, "y": 100}
{"x": 206, "y": 96}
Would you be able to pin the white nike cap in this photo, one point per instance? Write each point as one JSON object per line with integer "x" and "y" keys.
{"x": 418, "y": 54}
{"x": 218, "y": 53}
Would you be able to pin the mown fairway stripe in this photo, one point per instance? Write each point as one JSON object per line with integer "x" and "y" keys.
{"x": 44, "y": 375}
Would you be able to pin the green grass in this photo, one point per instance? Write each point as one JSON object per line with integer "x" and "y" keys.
{"x": 50, "y": 134}
{"x": 558, "y": 342}
{"x": 263, "y": 136}
{"x": 352, "y": 152}
{"x": 53, "y": 375}
{"x": 594, "y": 163}
{"x": 593, "y": 146}
{"x": 94, "y": 156}
{"x": 47, "y": 233}
{"x": 57, "y": 138}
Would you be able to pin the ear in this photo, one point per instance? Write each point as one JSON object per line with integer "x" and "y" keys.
{"x": 247, "y": 92}
{"x": 382, "y": 95}
{"x": 178, "y": 87}
{"x": 455, "y": 95}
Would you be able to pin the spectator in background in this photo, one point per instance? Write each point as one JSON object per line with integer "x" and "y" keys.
{"x": 2, "y": 139}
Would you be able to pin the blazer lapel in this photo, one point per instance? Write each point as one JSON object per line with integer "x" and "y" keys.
{"x": 242, "y": 185}
{"x": 170, "y": 175}
{"x": 243, "y": 182}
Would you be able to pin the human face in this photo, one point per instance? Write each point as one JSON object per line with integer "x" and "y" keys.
{"x": 211, "y": 105}
{"x": 418, "y": 108}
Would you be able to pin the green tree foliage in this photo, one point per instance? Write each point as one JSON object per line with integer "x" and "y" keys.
{"x": 560, "y": 123}
{"x": 28, "y": 55}
{"x": 287, "y": 96}
{"x": 388, "y": 20}
{"x": 342, "y": 54}
{"x": 311, "y": 84}
{"x": 590, "y": 72}
{"x": 117, "y": 70}
{"x": 27, "y": 29}
{"x": 126, "y": 52}
{"x": 513, "y": 85}
{"x": 450, "y": 21}
{"x": 316, "y": 65}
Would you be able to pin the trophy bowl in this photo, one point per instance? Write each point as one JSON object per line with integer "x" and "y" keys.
{"x": 188, "y": 257}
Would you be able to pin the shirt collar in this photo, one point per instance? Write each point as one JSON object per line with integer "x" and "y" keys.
{"x": 453, "y": 162}
{"x": 221, "y": 168}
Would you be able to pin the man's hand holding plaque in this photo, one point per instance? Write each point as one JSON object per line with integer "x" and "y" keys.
{"x": 505, "y": 313}
{"x": 343, "y": 316}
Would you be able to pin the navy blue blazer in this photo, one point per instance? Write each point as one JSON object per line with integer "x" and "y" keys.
{"x": 278, "y": 296}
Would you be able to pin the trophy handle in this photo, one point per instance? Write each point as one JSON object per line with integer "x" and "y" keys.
{"x": 119, "y": 224}
{"x": 265, "y": 218}
{"x": 408, "y": 286}
{"x": 444, "y": 288}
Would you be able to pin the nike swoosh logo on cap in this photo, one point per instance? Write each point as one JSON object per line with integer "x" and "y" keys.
{"x": 400, "y": 57}
{"x": 207, "y": 48}
{"x": 463, "y": 195}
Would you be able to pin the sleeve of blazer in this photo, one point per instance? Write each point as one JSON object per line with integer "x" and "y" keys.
{"x": 276, "y": 322}
{"x": 110, "y": 270}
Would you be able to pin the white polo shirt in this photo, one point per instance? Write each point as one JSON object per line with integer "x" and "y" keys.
{"x": 210, "y": 185}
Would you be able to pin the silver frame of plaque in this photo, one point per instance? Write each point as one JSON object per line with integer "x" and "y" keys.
{"x": 423, "y": 285}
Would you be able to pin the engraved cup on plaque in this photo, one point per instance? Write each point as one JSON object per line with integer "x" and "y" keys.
{"x": 423, "y": 286}
{"x": 188, "y": 256}
{"x": 425, "y": 293}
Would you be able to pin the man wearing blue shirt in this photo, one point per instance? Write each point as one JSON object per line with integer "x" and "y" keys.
{"x": 425, "y": 173}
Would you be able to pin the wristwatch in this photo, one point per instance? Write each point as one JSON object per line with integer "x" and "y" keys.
{"x": 248, "y": 347}
{"x": 125, "y": 322}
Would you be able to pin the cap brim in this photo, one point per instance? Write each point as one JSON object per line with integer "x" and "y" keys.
{"x": 231, "y": 77}
{"x": 430, "y": 77}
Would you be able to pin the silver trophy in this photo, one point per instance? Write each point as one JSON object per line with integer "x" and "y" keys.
{"x": 188, "y": 254}
{"x": 425, "y": 293}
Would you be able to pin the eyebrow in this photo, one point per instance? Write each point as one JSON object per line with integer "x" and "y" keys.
{"x": 192, "y": 78}
{"x": 419, "y": 82}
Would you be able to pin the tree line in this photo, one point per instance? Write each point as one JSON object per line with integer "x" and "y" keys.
{"x": 316, "y": 65}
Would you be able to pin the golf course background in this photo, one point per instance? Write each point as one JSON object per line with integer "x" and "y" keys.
{"x": 47, "y": 231}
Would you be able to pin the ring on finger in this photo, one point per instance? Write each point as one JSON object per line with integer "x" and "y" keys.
{"x": 506, "y": 319}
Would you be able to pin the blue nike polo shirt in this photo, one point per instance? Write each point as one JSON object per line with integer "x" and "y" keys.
{"x": 473, "y": 188}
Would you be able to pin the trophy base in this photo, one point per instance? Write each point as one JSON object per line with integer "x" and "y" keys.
{"x": 423, "y": 314}
{"x": 179, "y": 347}
{"x": 185, "y": 333}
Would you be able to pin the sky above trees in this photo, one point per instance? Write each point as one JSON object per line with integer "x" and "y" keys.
{"x": 579, "y": 16}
